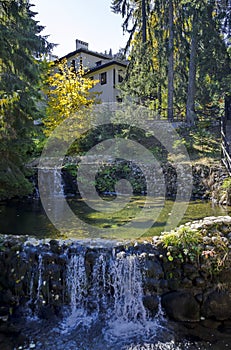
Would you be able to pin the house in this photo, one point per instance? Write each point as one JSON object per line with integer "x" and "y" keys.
{"x": 103, "y": 67}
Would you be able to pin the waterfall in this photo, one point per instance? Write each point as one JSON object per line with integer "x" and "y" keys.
{"x": 108, "y": 287}
{"x": 99, "y": 287}
{"x": 99, "y": 283}
{"x": 51, "y": 182}
{"x": 58, "y": 183}
{"x": 40, "y": 280}
{"x": 128, "y": 290}
{"x": 129, "y": 318}
{"x": 77, "y": 282}
{"x": 87, "y": 289}
{"x": 114, "y": 281}
{"x": 98, "y": 294}
{"x": 35, "y": 286}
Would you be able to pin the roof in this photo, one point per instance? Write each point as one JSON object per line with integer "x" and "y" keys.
{"x": 108, "y": 64}
{"x": 96, "y": 54}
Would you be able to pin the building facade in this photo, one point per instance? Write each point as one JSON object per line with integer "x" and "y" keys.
{"x": 104, "y": 68}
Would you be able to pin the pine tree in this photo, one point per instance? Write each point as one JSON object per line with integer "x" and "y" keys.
{"x": 185, "y": 71}
{"x": 21, "y": 46}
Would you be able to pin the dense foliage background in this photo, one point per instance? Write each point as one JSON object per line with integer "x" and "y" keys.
{"x": 21, "y": 67}
{"x": 179, "y": 67}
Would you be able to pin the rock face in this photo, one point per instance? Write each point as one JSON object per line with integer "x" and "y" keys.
{"x": 45, "y": 275}
{"x": 217, "y": 305}
{"x": 181, "y": 306}
{"x": 206, "y": 180}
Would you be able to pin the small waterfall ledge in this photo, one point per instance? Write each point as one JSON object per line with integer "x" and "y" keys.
{"x": 131, "y": 288}
{"x": 206, "y": 179}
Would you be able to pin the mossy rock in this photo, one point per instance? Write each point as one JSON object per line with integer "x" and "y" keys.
{"x": 13, "y": 182}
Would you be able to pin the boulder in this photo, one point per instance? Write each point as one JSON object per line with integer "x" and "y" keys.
{"x": 151, "y": 302}
{"x": 154, "y": 269}
{"x": 217, "y": 305}
{"x": 181, "y": 306}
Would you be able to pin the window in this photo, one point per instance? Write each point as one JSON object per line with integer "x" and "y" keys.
{"x": 120, "y": 76}
{"x": 98, "y": 63}
{"x": 103, "y": 78}
{"x": 73, "y": 68}
{"x": 81, "y": 63}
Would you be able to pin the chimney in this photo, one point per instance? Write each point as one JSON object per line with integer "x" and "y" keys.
{"x": 81, "y": 44}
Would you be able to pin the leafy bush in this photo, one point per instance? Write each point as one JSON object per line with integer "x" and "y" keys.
{"x": 207, "y": 248}
{"x": 227, "y": 184}
{"x": 182, "y": 243}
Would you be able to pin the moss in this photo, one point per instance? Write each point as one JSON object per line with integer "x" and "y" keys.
{"x": 13, "y": 181}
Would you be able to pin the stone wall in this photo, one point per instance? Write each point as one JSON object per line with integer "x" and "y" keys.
{"x": 33, "y": 273}
{"x": 206, "y": 179}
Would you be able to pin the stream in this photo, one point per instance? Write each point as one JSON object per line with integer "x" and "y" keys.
{"x": 28, "y": 217}
{"x": 105, "y": 308}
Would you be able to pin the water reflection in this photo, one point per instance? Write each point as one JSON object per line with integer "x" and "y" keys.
{"x": 28, "y": 217}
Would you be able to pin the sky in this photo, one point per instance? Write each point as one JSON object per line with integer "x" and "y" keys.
{"x": 89, "y": 20}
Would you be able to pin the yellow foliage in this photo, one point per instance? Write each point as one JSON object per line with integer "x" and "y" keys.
{"x": 68, "y": 92}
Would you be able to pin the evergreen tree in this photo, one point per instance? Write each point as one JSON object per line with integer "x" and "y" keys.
{"x": 170, "y": 60}
{"x": 134, "y": 14}
{"x": 21, "y": 47}
{"x": 185, "y": 71}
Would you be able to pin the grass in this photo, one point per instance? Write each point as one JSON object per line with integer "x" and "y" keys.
{"x": 203, "y": 143}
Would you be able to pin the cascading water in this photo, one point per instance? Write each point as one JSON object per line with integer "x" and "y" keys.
{"x": 40, "y": 280}
{"x": 103, "y": 293}
{"x": 58, "y": 183}
{"x": 51, "y": 180}
{"x": 128, "y": 291}
{"x": 113, "y": 287}
{"x": 129, "y": 315}
{"x": 76, "y": 282}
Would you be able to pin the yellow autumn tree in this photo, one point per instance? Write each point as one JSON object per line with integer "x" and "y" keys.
{"x": 68, "y": 92}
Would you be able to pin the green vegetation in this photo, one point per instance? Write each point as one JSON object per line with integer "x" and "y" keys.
{"x": 227, "y": 185}
{"x": 21, "y": 46}
{"x": 202, "y": 141}
{"x": 165, "y": 37}
{"x": 208, "y": 248}
{"x": 224, "y": 192}
{"x": 179, "y": 53}
{"x": 183, "y": 244}
{"x": 109, "y": 175}
{"x": 14, "y": 180}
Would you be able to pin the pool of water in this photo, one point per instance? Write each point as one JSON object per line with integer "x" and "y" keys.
{"x": 80, "y": 329}
{"x": 46, "y": 335}
{"x": 28, "y": 217}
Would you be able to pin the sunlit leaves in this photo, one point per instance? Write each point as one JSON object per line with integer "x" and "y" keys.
{"x": 68, "y": 92}
{"x": 147, "y": 73}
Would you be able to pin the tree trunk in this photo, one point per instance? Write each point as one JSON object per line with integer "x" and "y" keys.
{"x": 190, "y": 106}
{"x": 228, "y": 107}
{"x": 159, "y": 97}
{"x": 170, "y": 63}
{"x": 144, "y": 22}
